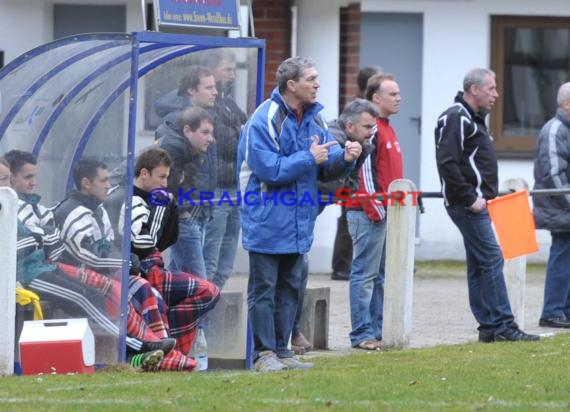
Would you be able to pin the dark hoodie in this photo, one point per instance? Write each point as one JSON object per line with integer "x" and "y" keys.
{"x": 228, "y": 121}
{"x": 189, "y": 170}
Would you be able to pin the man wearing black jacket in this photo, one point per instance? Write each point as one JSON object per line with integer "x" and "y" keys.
{"x": 189, "y": 142}
{"x": 154, "y": 228}
{"x": 467, "y": 168}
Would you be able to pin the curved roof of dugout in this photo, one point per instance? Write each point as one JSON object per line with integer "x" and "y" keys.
{"x": 53, "y": 97}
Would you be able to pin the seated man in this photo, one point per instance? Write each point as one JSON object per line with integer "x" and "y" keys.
{"x": 38, "y": 238}
{"x": 88, "y": 239}
{"x": 154, "y": 227}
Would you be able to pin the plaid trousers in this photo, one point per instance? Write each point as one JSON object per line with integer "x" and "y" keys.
{"x": 188, "y": 298}
{"x": 137, "y": 327}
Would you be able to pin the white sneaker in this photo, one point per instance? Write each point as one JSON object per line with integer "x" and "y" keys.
{"x": 268, "y": 362}
{"x": 294, "y": 363}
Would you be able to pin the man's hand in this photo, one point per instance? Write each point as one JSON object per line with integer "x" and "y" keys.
{"x": 321, "y": 151}
{"x": 478, "y": 206}
{"x": 352, "y": 151}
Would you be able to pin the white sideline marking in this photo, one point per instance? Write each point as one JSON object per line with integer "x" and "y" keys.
{"x": 420, "y": 403}
{"x": 159, "y": 379}
{"x": 105, "y": 385}
{"x": 70, "y": 401}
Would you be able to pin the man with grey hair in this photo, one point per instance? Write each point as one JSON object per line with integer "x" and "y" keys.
{"x": 366, "y": 218}
{"x": 467, "y": 168}
{"x": 552, "y": 171}
{"x": 283, "y": 148}
{"x": 357, "y": 123}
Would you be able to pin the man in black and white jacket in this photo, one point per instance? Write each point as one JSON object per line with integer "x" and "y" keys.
{"x": 154, "y": 228}
{"x": 467, "y": 168}
{"x": 87, "y": 235}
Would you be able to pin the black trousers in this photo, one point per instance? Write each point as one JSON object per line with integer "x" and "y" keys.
{"x": 342, "y": 251}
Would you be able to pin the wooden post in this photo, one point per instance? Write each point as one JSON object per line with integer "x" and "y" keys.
{"x": 515, "y": 269}
{"x": 400, "y": 247}
{"x": 8, "y": 223}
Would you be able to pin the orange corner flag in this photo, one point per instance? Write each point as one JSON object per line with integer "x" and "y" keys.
{"x": 514, "y": 224}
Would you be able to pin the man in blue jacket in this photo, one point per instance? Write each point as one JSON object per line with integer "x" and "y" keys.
{"x": 283, "y": 148}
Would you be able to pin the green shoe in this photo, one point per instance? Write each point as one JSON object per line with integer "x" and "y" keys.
{"x": 147, "y": 361}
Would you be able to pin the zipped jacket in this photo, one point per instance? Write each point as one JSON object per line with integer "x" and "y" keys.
{"x": 278, "y": 176}
{"x": 552, "y": 171}
{"x": 466, "y": 160}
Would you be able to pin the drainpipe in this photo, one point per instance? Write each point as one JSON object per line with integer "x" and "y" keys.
{"x": 294, "y": 22}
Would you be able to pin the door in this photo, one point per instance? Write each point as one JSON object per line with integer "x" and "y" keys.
{"x": 394, "y": 42}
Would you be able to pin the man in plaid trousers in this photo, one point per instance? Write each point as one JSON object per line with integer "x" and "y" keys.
{"x": 154, "y": 227}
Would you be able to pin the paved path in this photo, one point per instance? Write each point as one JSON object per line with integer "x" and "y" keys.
{"x": 441, "y": 314}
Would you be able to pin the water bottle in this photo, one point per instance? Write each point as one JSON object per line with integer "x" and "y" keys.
{"x": 200, "y": 350}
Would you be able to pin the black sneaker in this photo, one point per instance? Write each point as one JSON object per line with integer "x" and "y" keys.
{"x": 512, "y": 334}
{"x": 556, "y": 322}
{"x": 340, "y": 276}
{"x": 166, "y": 345}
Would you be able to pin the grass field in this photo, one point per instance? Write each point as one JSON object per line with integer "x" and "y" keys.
{"x": 532, "y": 376}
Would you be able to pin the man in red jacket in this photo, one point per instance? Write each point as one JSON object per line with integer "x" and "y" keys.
{"x": 367, "y": 218}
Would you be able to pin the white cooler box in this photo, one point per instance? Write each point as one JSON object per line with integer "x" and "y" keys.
{"x": 57, "y": 346}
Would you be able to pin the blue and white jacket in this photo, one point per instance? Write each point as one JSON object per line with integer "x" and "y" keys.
{"x": 277, "y": 176}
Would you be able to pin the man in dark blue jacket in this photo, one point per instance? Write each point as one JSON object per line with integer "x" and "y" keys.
{"x": 467, "y": 168}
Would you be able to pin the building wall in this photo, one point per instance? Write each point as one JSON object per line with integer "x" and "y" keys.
{"x": 272, "y": 21}
{"x": 456, "y": 39}
{"x": 349, "y": 53}
{"x": 26, "y": 24}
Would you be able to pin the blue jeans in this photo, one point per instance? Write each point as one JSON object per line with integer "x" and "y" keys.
{"x": 272, "y": 297}
{"x": 221, "y": 240}
{"x": 377, "y": 302}
{"x": 557, "y": 282}
{"x": 366, "y": 283}
{"x": 488, "y": 296}
{"x": 297, "y": 323}
{"x": 186, "y": 254}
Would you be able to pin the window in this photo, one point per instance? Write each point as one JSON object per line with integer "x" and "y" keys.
{"x": 70, "y": 19}
{"x": 531, "y": 57}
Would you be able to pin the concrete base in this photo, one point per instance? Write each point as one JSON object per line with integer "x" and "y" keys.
{"x": 226, "y": 330}
{"x": 315, "y": 316}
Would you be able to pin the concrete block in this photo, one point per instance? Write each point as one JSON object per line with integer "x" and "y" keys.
{"x": 315, "y": 316}
{"x": 226, "y": 332}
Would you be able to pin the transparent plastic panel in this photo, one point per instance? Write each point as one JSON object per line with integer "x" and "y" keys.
{"x": 72, "y": 128}
{"x": 222, "y": 82}
{"x": 68, "y": 253}
{"x": 39, "y": 62}
{"x": 37, "y": 111}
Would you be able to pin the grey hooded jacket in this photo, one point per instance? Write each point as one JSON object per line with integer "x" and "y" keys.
{"x": 552, "y": 171}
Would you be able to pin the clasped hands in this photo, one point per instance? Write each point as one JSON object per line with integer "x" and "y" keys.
{"x": 320, "y": 152}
